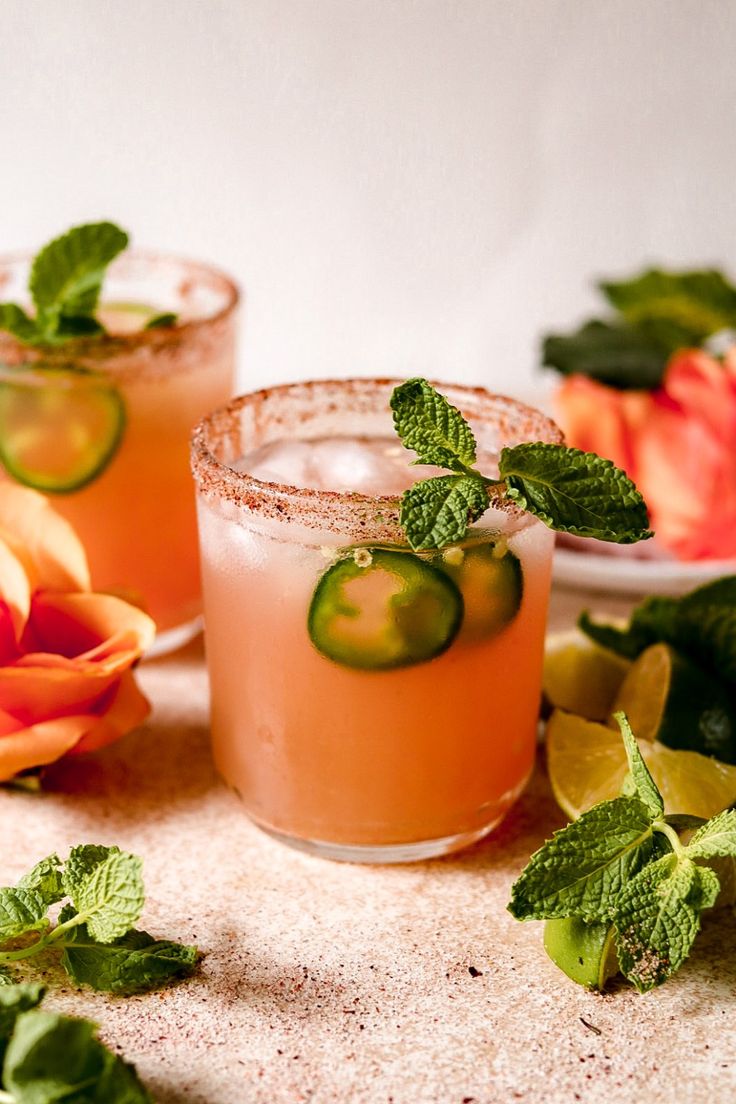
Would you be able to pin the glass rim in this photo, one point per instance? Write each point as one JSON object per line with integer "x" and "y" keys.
{"x": 123, "y": 343}
{"x": 338, "y": 511}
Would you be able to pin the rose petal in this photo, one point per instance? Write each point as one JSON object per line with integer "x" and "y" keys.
{"x": 42, "y": 540}
{"x": 89, "y": 626}
{"x": 15, "y": 591}
{"x": 126, "y": 709}
{"x": 42, "y": 743}
{"x": 34, "y": 694}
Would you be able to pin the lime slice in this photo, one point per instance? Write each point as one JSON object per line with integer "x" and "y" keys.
{"x": 490, "y": 580}
{"x": 377, "y": 609}
{"x": 668, "y": 698}
{"x": 580, "y": 676}
{"x": 59, "y": 427}
{"x": 585, "y": 952}
{"x": 587, "y": 764}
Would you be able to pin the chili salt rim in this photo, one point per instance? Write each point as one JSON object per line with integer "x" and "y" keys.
{"x": 110, "y": 353}
{"x": 358, "y": 515}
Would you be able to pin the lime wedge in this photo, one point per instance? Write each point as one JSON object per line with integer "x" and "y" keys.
{"x": 59, "y": 427}
{"x": 587, "y": 764}
{"x": 668, "y": 698}
{"x": 585, "y": 952}
{"x": 581, "y": 677}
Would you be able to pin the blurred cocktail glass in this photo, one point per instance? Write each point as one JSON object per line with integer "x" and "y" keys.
{"x": 369, "y": 703}
{"x": 136, "y": 393}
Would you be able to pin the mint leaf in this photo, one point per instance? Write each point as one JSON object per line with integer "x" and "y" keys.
{"x": 15, "y": 999}
{"x": 618, "y": 355}
{"x": 427, "y": 423}
{"x": 21, "y": 911}
{"x": 159, "y": 320}
{"x": 581, "y": 870}
{"x": 574, "y": 492}
{"x": 657, "y": 918}
{"x": 716, "y": 838}
{"x": 45, "y": 878}
{"x": 132, "y": 964}
{"x": 52, "y": 1058}
{"x": 645, "y": 786}
{"x": 696, "y": 303}
{"x": 67, "y": 274}
{"x": 701, "y": 625}
{"x": 110, "y": 897}
{"x": 82, "y": 860}
{"x": 436, "y": 512}
{"x": 14, "y": 320}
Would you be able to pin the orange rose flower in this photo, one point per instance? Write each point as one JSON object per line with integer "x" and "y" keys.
{"x": 677, "y": 442}
{"x": 66, "y": 684}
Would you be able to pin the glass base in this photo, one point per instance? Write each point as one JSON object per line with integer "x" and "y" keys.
{"x": 383, "y": 853}
{"x": 172, "y": 639}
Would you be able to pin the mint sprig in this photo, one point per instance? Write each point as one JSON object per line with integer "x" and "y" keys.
{"x": 569, "y": 490}
{"x": 65, "y": 282}
{"x": 95, "y": 930}
{"x": 622, "y": 863}
{"x": 700, "y": 624}
{"x": 658, "y": 312}
{"x": 46, "y": 1058}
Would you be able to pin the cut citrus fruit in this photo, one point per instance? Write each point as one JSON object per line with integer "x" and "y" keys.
{"x": 59, "y": 427}
{"x": 581, "y": 677}
{"x": 668, "y": 698}
{"x": 585, "y": 952}
{"x": 120, "y": 319}
{"x": 587, "y": 764}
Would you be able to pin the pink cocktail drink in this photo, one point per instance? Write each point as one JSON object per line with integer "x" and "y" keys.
{"x": 368, "y": 702}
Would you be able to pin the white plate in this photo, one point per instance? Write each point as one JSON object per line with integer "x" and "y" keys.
{"x": 620, "y": 575}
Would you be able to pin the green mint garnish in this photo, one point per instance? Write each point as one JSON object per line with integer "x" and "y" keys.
{"x": 95, "y": 929}
{"x": 65, "y": 284}
{"x": 569, "y": 490}
{"x": 623, "y": 862}
{"x": 701, "y": 625}
{"x": 658, "y": 312}
{"x": 49, "y": 1058}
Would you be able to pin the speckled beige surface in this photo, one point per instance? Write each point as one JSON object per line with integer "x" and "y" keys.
{"x": 329, "y": 983}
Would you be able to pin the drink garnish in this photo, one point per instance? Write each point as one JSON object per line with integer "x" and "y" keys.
{"x": 47, "y": 1057}
{"x": 622, "y": 863}
{"x": 569, "y": 490}
{"x": 103, "y": 890}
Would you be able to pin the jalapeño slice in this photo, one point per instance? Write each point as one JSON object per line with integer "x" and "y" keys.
{"x": 378, "y": 608}
{"x": 59, "y": 426}
{"x": 490, "y": 580}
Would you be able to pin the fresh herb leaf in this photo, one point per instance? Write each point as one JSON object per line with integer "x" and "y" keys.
{"x": 14, "y": 320}
{"x": 110, "y": 897}
{"x": 21, "y": 911}
{"x": 428, "y": 424}
{"x": 574, "y": 492}
{"x": 658, "y": 916}
{"x": 701, "y": 625}
{"x": 95, "y": 931}
{"x": 45, "y": 878}
{"x": 158, "y": 321}
{"x": 67, "y": 274}
{"x": 65, "y": 283}
{"x": 15, "y": 999}
{"x": 82, "y": 861}
{"x": 581, "y": 870}
{"x": 436, "y": 512}
{"x": 53, "y": 1058}
{"x": 617, "y": 355}
{"x": 697, "y": 303}
{"x": 644, "y": 785}
{"x": 569, "y": 490}
{"x": 132, "y": 964}
{"x": 716, "y": 838}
